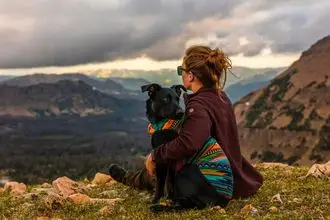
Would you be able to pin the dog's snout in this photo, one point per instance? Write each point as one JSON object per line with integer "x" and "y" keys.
{"x": 179, "y": 111}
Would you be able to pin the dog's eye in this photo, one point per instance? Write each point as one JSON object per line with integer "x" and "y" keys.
{"x": 166, "y": 99}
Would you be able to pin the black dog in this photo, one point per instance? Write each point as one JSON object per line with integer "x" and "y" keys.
{"x": 163, "y": 109}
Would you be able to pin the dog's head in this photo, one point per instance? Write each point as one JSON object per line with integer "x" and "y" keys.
{"x": 163, "y": 102}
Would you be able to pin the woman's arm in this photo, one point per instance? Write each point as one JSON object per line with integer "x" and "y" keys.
{"x": 193, "y": 134}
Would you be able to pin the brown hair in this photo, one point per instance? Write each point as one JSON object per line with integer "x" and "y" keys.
{"x": 209, "y": 66}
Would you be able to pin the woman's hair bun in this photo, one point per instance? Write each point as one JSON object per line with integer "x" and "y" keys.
{"x": 214, "y": 53}
{"x": 213, "y": 56}
{"x": 210, "y": 66}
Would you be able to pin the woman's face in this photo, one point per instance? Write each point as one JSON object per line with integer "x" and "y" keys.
{"x": 187, "y": 78}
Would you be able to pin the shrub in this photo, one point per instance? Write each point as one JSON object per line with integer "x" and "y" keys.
{"x": 269, "y": 156}
{"x": 257, "y": 108}
{"x": 324, "y": 142}
{"x": 292, "y": 159}
{"x": 283, "y": 85}
{"x": 254, "y": 155}
{"x": 297, "y": 116}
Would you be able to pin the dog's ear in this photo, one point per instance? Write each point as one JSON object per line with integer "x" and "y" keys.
{"x": 177, "y": 89}
{"x": 151, "y": 88}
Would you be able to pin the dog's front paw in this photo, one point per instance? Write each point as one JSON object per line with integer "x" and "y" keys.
{"x": 155, "y": 200}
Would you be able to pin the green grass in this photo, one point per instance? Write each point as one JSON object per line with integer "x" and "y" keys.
{"x": 313, "y": 195}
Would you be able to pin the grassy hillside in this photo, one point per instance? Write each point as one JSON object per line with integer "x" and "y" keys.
{"x": 302, "y": 199}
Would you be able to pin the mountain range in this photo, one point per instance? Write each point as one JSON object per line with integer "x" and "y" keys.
{"x": 5, "y": 77}
{"x": 239, "y": 89}
{"x": 107, "y": 86}
{"x": 125, "y": 84}
{"x": 64, "y": 97}
{"x": 132, "y": 84}
{"x": 169, "y": 77}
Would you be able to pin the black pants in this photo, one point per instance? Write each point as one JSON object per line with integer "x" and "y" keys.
{"x": 191, "y": 188}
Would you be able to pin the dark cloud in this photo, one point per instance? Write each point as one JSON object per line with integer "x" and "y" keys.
{"x": 295, "y": 29}
{"x": 67, "y": 32}
{"x": 285, "y": 27}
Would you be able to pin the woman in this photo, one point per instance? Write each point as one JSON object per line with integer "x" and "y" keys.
{"x": 211, "y": 179}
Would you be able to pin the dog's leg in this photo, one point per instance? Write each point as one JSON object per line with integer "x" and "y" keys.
{"x": 170, "y": 182}
{"x": 160, "y": 183}
{"x": 158, "y": 138}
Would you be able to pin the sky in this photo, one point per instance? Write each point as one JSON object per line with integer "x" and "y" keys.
{"x": 71, "y": 35}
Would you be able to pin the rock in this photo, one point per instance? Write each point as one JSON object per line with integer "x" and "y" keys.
{"x": 48, "y": 196}
{"x": 248, "y": 209}
{"x": 66, "y": 186}
{"x": 147, "y": 198}
{"x": 271, "y": 165}
{"x": 165, "y": 202}
{"x": 86, "y": 180}
{"x": 277, "y": 198}
{"x": 296, "y": 200}
{"x": 107, "y": 201}
{"x": 27, "y": 205}
{"x": 15, "y": 188}
{"x": 219, "y": 209}
{"x": 29, "y": 196}
{"x": 325, "y": 196}
{"x": 89, "y": 186}
{"x": 319, "y": 217}
{"x": 318, "y": 171}
{"x": 106, "y": 210}
{"x": 80, "y": 199}
{"x": 53, "y": 200}
{"x": 44, "y": 191}
{"x": 110, "y": 193}
{"x": 101, "y": 179}
{"x": 273, "y": 209}
{"x": 42, "y": 218}
{"x": 46, "y": 185}
{"x": 122, "y": 210}
{"x": 143, "y": 193}
{"x": 112, "y": 182}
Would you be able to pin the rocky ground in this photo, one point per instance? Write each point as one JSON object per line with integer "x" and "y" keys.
{"x": 289, "y": 192}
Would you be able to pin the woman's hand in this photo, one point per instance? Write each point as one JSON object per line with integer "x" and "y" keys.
{"x": 150, "y": 166}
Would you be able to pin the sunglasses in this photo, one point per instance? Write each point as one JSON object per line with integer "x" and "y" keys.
{"x": 180, "y": 69}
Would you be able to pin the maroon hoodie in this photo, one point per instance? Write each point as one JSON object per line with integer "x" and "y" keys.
{"x": 209, "y": 113}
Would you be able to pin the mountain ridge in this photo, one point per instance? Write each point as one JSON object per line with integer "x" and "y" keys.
{"x": 290, "y": 118}
{"x": 64, "y": 97}
{"x": 238, "y": 90}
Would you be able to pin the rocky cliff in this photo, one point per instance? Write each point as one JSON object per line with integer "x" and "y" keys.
{"x": 289, "y": 120}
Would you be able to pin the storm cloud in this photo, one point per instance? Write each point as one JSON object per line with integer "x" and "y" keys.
{"x": 40, "y": 33}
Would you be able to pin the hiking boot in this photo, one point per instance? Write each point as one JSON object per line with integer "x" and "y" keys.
{"x": 117, "y": 172}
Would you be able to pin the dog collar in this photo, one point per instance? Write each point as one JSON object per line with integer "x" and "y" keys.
{"x": 164, "y": 124}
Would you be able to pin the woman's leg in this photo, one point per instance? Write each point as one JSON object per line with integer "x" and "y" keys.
{"x": 139, "y": 179}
